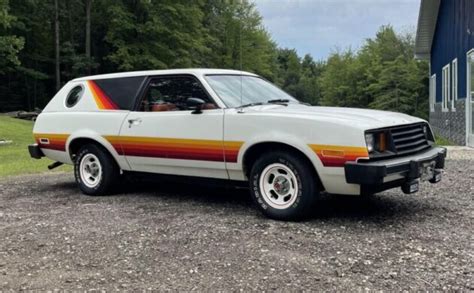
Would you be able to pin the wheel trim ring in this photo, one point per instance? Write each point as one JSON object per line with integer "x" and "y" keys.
{"x": 90, "y": 170}
{"x": 276, "y": 199}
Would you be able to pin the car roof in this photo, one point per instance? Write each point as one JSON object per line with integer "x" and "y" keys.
{"x": 194, "y": 71}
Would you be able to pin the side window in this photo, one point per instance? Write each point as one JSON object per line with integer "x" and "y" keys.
{"x": 74, "y": 96}
{"x": 172, "y": 93}
{"x": 119, "y": 92}
{"x": 445, "y": 87}
{"x": 454, "y": 87}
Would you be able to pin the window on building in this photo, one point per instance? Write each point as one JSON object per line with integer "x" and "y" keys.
{"x": 454, "y": 84}
{"x": 445, "y": 87}
{"x": 432, "y": 92}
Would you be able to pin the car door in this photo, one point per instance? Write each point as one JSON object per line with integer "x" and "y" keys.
{"x": 164, "y": 135}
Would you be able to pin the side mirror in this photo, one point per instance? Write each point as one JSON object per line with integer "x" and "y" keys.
{"x": 195, "y": 104}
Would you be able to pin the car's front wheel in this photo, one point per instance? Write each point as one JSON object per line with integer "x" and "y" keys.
{"x": 95, "y": 170}
{"x": 283, "y": 185}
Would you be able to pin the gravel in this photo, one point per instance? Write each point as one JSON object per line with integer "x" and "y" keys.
{"x": 187, "y": 237}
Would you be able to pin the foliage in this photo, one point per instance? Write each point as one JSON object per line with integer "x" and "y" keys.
{"x": 443, "y": 141}
{"x": 147, "y": 34}
{"x": 237, "y": 38}
{"x": 155, "y": 35}
{"x": 299, "y": 77}
{"x": 381, "y": 75}
{"x": 10, "y": 45}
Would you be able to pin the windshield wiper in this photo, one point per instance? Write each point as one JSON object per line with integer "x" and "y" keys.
{"x": 278, "y": 101}
{"x": 251, "y": 104}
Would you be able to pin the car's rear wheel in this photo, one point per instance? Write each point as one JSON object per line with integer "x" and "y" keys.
{"x": 283, "y": 185}
{"x": 95, "y": 170}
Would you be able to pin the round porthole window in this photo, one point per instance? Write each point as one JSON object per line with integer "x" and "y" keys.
{"x": 74, "y": 96}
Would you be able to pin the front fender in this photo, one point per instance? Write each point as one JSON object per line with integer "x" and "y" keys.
{"x": 236, "y": 170}
{"x": 275, "y": 137}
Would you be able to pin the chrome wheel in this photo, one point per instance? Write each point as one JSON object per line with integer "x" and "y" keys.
{"x": 90, "y": 170}
{"x": 278, "y": 186}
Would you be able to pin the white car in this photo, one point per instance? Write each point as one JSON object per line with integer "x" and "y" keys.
{"x": 231, "y": 125}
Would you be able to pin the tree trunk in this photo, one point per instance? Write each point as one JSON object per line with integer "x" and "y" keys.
{"x": 70, "y": 11}
{"x": 35, "y": 87}
{"x": 28, "y": 100}
{"x": 70, "y": 23}
{"x": 56, "y": 45}
{"x": 88, "y": 4}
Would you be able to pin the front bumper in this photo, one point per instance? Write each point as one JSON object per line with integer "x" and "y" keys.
{"x": 373, "y": 176}
{"x": 35, "y": 151}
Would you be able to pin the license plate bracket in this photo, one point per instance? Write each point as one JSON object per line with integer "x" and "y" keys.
{"x": 427, "y": 170}
{"x": 411, "y": 186}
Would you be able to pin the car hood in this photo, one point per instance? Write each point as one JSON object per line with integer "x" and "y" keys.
{"x": 355, "y": 117}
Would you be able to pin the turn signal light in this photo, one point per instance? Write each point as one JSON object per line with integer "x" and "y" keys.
{"x": 382, "y": 142}
{"x": 332, "y": 153}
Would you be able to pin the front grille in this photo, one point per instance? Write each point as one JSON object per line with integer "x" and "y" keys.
{"x": 409, "y": 138}
{"x": 402, "y": 140}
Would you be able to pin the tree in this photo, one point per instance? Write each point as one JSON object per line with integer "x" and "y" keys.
{"x": 238, "y": 38}
{"x": 395, "y": 79}
{"x": 10, "y": 45}
{"x": 340, "y": 81}
{"x": 381, "y": 75}
{"x": 309, "y": 82}
{"x": 155, "y": 35}
{"x": 58, "y": 42}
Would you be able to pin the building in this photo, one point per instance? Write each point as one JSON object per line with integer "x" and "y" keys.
{"x": 445, "y": 37}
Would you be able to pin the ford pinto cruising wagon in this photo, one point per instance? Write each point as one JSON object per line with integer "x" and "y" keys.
{"x": 232, "y": 125}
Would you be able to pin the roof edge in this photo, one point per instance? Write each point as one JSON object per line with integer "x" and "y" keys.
{"x": 427, "y": 19}
{"x": 197, "y": 71}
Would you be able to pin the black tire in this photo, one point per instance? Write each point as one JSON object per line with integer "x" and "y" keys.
{"x": 305, "y": 194}
{"x": 109, "y": 173}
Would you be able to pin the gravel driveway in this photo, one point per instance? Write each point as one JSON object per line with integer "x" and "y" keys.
{"x": 184, "y": 237}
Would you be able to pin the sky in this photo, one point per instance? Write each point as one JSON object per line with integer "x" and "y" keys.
{"x": 321, "y": 26}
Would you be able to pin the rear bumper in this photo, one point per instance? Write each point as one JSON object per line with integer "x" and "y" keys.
{"x": 374, "y": 176}
{"x": 35, "y": 151}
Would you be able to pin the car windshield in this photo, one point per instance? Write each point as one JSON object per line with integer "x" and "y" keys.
{"x": 238, "y": 90}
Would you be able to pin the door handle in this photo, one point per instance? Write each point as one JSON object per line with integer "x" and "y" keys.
{"x": 136, "y": 121}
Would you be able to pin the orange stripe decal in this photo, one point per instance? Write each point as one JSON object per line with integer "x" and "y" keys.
{"x": 231, "y": 150}
{"x": 337, "y": 156}
{"x": 51, "y": 141}
{"x": 176, "y": 148}
{"x": 101, "y": 99}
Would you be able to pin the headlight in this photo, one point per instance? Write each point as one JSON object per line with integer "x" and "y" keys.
{"x": 370, "y": 141}
{"x": 376, "y": 142}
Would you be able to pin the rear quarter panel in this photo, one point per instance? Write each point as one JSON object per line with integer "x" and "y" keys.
{"x": 59, "y": 125}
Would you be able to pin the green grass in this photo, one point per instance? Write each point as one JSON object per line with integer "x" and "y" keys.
{"x": 443, "y": 141}
{"x": 14, "y": 157}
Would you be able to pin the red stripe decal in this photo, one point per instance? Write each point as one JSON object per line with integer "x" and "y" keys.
{"x": 184, "y": 149}
{"x": 99, "y": 94}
